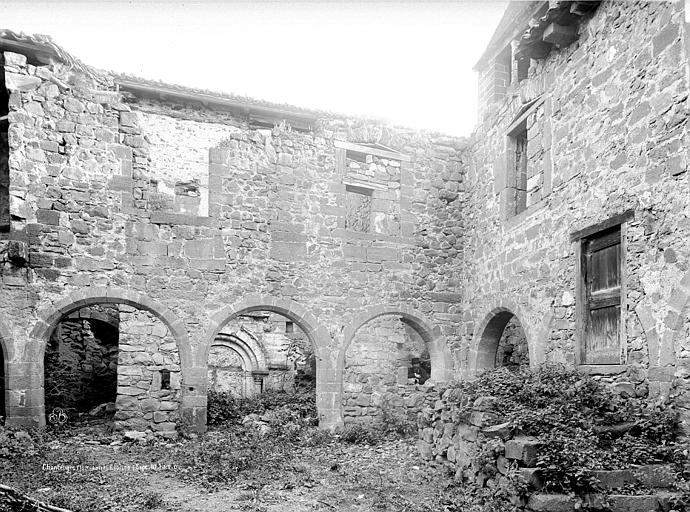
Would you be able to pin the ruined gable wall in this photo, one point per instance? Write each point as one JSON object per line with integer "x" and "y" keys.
{"x": 82, "y": 160}
{"x": 615, "y": 134}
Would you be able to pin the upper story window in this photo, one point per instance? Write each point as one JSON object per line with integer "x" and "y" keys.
{"x": 525, "y": 159}
{"x": 358, "y": 208}
{"x": 371, "y": 174}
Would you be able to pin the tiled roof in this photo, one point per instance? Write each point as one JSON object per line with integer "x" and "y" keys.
{"x": 526, "y": 22}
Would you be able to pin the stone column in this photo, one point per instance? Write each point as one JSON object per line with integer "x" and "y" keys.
{"x": 402, "y": 366}
{"x": 258, "y": 377}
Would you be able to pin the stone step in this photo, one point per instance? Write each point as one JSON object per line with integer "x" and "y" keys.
{"x": 658, "y": 502}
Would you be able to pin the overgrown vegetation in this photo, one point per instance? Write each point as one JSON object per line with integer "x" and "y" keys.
{"x": 226, "y": 410}
{"x": 582, "y": 427}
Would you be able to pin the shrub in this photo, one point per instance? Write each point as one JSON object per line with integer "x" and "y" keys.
{"x": 225, "y": 410}
{"x": 358, "y": 433}
{"x": 581, "y": 424}
{"x": 16, "y": 443}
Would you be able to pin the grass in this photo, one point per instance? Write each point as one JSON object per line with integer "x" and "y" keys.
{"x": 285, "y": 465}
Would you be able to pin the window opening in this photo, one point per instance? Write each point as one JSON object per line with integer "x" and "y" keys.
{"x": 358, "y": 208}
{"x": 165, "y": 379}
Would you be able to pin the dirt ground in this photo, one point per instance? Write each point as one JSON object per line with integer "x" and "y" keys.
{"x": 94, "y": 473}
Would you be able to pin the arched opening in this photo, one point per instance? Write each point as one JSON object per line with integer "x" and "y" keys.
{"x": 258, "y": 351}
{"x": 80, "y": 362}
{"x": 388, "y": 357}
{"x": 113, "y": 363}
{"x": 503, "y": 342}
{"x": 3, "y": 383}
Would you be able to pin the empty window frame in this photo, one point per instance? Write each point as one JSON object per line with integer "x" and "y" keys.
{"x": 165, "y": 379}
{"x": 518, "y": 159}
{"x": 358, "y": 208}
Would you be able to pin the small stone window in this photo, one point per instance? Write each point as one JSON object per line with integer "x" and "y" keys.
{"x": 358, "y": 208}
{"x": 601, "y": 292}
{"x": 165, "y": 379}
{"x": 519, "y": 171}
{"x": 522, "y": 64}
{"x": 525, "y": 160}
{"x": 289, "y": 327}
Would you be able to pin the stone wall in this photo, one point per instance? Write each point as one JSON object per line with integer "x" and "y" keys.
{"x": 377, "y": 371}
{"x": 94, "y": 219}
{"x": 147, "y": 353}
{"x": 613, "y": 136}
{"x": 83, "y": 158}
{"x": 4, "y": 153}
{"x": 472, "y": 441}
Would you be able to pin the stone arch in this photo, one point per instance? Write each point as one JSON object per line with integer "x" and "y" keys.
{"x": 49, "y": 316}
{"x": 488, "y": 333}
{"x": 318, "y": 336}
{"x": 242, "y": 348}
{"x": 5, "y": 357}
{"x": 678, "y": 304}
{"x": 441, "y": 360}
{"x": 247, "y": 341}
{"x": 250, "y": 353}
{"x": 326, "y": 379}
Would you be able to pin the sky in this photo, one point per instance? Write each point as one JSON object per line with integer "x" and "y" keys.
{"x": 405, "y": 62}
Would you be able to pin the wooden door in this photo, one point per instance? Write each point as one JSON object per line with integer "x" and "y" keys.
{"x": 602, "y": 280}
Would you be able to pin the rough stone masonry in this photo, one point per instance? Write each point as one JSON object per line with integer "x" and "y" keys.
{"x": 187, "y": 210}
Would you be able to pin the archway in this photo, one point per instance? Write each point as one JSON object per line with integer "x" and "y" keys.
{"x": 287, "y": 316}
{"x": 7, "y": 378}
{"x": 81, "y": 362}
{"x": 502, "y": 341}
{"x": 389, "y": 352}
{"x": 4, "y": 391}
{"x": 154, "y": 353}
{"x": 236, "y": 365}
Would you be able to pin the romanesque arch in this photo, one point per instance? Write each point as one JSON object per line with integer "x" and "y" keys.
{"x": 318, "y": 336}
{"x": 5, "y": 358}
{"x": 488, "y": 333}
{"x": 249, "y": 353}
{"x": 441, "y": 360}
{"x": 253, "y": 357}
{"x": 488, "y": 336}
{"x": 49, "y": 316}
{"x": 326, "y": 379}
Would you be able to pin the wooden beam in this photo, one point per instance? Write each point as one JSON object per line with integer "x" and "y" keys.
{"x": 521, "y": 118}
{"x": 559, "y": 35}
{"x": 601, "y": 226}
{"x": 367, "y": 150}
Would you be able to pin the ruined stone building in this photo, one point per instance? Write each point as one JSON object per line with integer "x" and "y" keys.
{"x": 159, "y": 241}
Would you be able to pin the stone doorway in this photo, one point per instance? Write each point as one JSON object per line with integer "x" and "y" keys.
{"x": 512, "y": 346}
{"x": 260, "y": 351}
{"x": 502, "y": 342}
{"x": 113, "y": 363}
{"x": 385, "y": 364}
{"x": 80, "y": 363}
